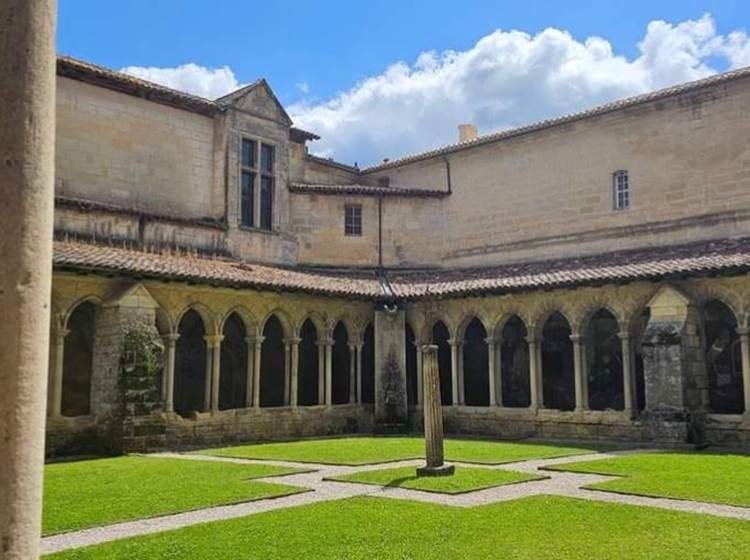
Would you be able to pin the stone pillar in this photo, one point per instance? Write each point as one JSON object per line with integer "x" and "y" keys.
{"x": 391, "y": 407}
{"x": 353, "y": 373}
{"x": 358, "y": 348}
{"x": 535, "y": 374}
{"x": 287, "y": 371}
{"x": 420, "y": 390}
{"x": 579, "y": 366}
{"x": 498, "y": 373}
{"x": 491, "y": 370}
{"x": 433, "y": 416}
{"x": 628, "y": 381}
{"x": 54, "y": 403}
{"x": 207, "y": 376}
{"x": 745, "y": 349}
{"x": 294, "y": 385}
{"x": 256, "y": 370}
{"x": 321, "y": 373}
{"x": 328, "y": 347}
{"x": 213, "y": 342}
{"x": 170, "y": 345}
{"x": 27, "y": 140}
{"x": 455, "y": 350}
{"x": 249, "y": 384}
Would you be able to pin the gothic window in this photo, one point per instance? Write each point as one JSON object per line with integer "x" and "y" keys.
{"x": 341, "y": 365}
{"x": 78, "y": 361}
{"x": 440, "y": 337}
{"x": 272, "y": 364}
{"x": 558, "y": 379}
{"x": 257, "y": 163}
{"x": 233, "y": 378}
{"x": 723, "y": 359}
{"x": 309, "y": 364}
{"x": 190, "y": 365}
{"x": 368, "y": 365}
{"x": 476, "y": 365}
{"x": 353, "y": 219}
{"x": 514, "y": 358}
{"x": 411, "y": 366}
{"x": 604, "y": 359}
{"x": 621, "y": 186}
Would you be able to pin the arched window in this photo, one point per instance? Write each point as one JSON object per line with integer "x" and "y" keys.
{"x": 476, "y": 365}
{"x": 558, "y": 378}
{"x": 78, "y": 361}
{"x": 190, "y": 365}
{"x": 723, "y": 359}
{"x": 233, "y": 378}
{"x": 514, "y": 357}
{"x": 272, "y": 364}
{"x": 604, "y": 361}
{"x": 411, "y": 366}
{"x": 440, "y": 337}
{"x": 341, "y": 365}
{"x": 308, "y": 364}
{"x": 368, "y": 365}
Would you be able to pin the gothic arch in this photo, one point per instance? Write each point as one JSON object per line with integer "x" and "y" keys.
{"x": 78, "y": 357}
{"x": 207, "y": 316}
{"x": 248, "y": 319}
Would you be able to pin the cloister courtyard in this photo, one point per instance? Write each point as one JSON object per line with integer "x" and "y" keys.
{"x": 359, "y": 497}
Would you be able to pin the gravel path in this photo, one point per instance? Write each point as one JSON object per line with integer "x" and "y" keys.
{"x": 557, "y": 483}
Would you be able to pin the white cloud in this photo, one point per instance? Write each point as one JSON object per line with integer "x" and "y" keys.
{"x": 508, "y": 78}
{"x": 303, "y": 87}
{"x": 192, "y": 78}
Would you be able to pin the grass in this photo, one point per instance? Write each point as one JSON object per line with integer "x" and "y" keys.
{"x": 701, "y": 476}
{"x": 465, "y": 479}
{"x": 368, "y": 450}
{"x": 540, "y": 527}
{"x": 85, "y": 494}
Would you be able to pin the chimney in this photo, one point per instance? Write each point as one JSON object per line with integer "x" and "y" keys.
{"x": 467, "y": 132}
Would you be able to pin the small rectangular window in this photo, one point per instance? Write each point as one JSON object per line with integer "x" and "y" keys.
{"x": 247, "y": 204}
{"x": 266, "y": 158}
{"x": 621, "y": 188}
{"x": 353, "y": 219}
{"x": 266, "y": 202}
{"x": 257, "y": 182}
{"x": 248, "y": 153}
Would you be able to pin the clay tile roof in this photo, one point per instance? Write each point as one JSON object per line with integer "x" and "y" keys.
{"x": 695, "y": 259}
{"x": 364, "y": 190}
{"x": 74, "y": 255}
{"x": 713, "y": 80}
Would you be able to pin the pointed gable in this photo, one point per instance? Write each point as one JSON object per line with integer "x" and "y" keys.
{"x": 257, "y": 98}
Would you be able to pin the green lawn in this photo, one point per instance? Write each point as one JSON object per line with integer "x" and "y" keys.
{"x": 464, "y": 480}
{"x": 368, "y": 450}
{"x": 702, "y": 476}
{"x": 90, "y": 493}
{"x": 541, "y": 527}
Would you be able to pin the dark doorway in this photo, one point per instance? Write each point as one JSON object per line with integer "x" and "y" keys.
{"x": 308, "y": 364}
{"x": 604, "y": 359}
{"x": 341, "y": 365}
{"x": 440, "y": 337}
{"x": 558, "y": 377}
{"x": 368, "y": 365}
{"x": 78, "y": 360}
{"x": 723, "y": 359}
{"x": 476, "y": 365}
{"x": 272, "y": 364}
{"x": 190, "y": 365}
{"x": 233, "y": 379}
{"x": 514, "y": 358}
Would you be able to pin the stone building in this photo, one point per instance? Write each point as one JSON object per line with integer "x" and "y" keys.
{"x": 582, "y": 277}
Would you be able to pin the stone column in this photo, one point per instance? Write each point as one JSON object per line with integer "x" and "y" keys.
{"x": 328, "y": 347}
{"x": 358, "y": 348}
{"x": 455, "y": 349}
{"x": 256, "y": 370}
{"x": 287, "y": 371}
{"x": 498, "y": 373}
{"x": 249, "y": 384}
{"x": 207, "y": 377}
{"x": 353, "y": 373}
{"x": 170, "y": 345}
{"x": 535, "y": 373}
{"x": 579, "y": 365}
{"x": 214, "y": 343}
{"x": 628, "y": 383}
{"x": 420, "y": 390}
{"x": 54, "y": 404}
{"x": 491, "y": 370}
{"x": 27, "y": 138}
{"x": 294, "y": 385}
{"x": 745, "y": 349}
{"x": 433, "y": 416}
{"x": 321, "y": 372}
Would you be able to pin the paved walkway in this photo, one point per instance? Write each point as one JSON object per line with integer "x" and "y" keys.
{"x": 557, "y": 483}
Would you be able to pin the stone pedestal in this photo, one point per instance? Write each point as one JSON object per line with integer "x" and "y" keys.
{"x": 433, "y": 417}
{"x": 391, "y": 407}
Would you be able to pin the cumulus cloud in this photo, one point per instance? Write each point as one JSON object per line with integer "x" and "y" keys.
{"x": 192, "y": 78}
{"x": 507, "y": 79}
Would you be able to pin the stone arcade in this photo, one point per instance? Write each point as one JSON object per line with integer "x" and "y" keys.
{"x": 583, "y": 277}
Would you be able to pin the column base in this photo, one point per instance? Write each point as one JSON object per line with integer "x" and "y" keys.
{"x": 442, "y": 470}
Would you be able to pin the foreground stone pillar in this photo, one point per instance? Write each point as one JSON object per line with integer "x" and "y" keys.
{"x": 170, "y": 345}
{"x": 214, "y": 343}
{"x": 491, "y": 352}
{"x": 535, "y": 374}
{"x": 27, "y": 136}
{"x": 256, "y": 370}
{"x": 250, "y": 341}
{"x": 54, "y": 404}
{"x": 328, "y": 347}
{"x": 433, "y": 416}
{"x": 628, "y": 383}
{"x": 579, "y": 366}
{"x": 294, "y": 387}
{"x": 745, "y": 349}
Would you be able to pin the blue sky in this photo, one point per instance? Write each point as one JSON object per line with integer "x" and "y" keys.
{"x": 317, "y": 55}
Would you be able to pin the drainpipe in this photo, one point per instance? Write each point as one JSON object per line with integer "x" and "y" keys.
{"x": 380, "y": 234}
{"x": 448, "y": 174}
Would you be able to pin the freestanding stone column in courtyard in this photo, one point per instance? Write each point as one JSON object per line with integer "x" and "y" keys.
{"x": 433, "y": 416}
{"x": 27, "y": 142}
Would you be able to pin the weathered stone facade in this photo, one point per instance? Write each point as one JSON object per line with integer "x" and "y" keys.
{"x": 660, "y": 353}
